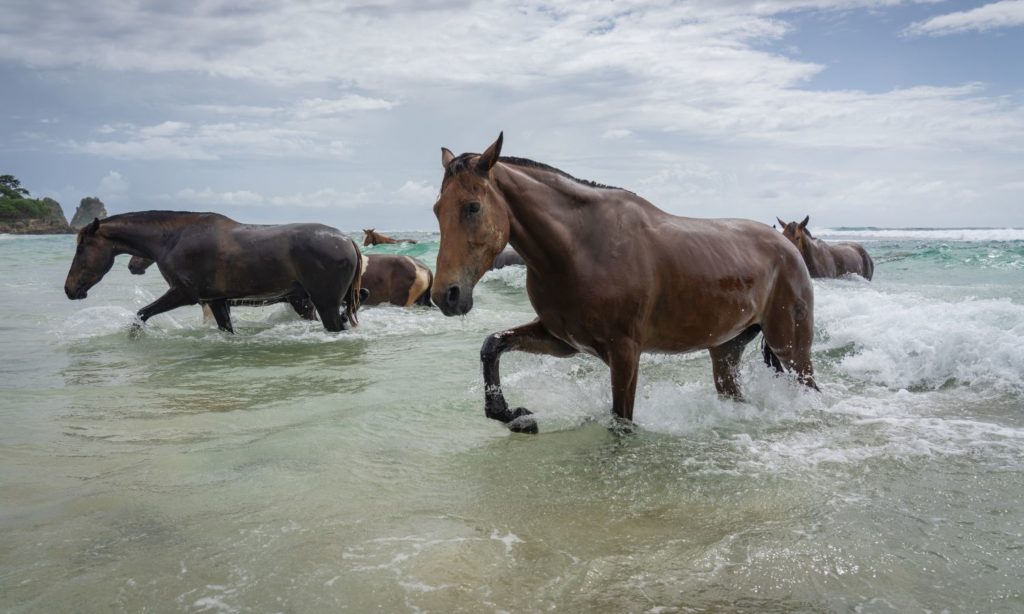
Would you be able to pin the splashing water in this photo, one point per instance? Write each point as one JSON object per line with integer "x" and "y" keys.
{"x": 285, "y": 468}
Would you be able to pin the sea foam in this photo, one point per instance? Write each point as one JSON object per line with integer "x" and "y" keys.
{"x": 904, "y": 340}
{"x": 924, "y": 234}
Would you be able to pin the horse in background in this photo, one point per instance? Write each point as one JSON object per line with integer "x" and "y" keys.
{"x": 210, "y": 258}
{"x": 507, "y": 257}
{"x": 299, "y": 302}
{"x": 824, "y": 260}
{"x": 610, "y": 274}
{"x": 372, "y": 237}
{"x": 399, "y": 280}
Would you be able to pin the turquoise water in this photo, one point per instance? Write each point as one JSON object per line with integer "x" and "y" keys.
{"x": 289, "y": 469}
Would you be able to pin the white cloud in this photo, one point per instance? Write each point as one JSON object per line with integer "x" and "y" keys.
{"x": 171, "y": 140}
{"x": 207, "y": 197}
{"x": 318, "y": 107}
{"x": 417, "y": 192}
{"x": 113, "y": 183}
{"x": 167, "y": 128}
{"x": 1002, "y": 14}
{"x": 616, "y": 133}
{"x": 326, "y": 198}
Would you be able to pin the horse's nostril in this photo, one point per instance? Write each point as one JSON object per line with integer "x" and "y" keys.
{"x": 452, "y": 296}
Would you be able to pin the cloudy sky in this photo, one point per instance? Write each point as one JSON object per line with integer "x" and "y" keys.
{"x": 857, "y": 112}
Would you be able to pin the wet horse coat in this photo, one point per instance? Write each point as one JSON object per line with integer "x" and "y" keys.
{"x": 610, "y": 274}
{"x": 828, "y": 260}
{"x": 210, "y": 258}
{"x": 299, "y": 302}
{"x": 399, "y": 280}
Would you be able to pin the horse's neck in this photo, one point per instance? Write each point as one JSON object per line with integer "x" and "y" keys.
{"x": 815, "y": 251}
{"x": 540, "y": 217}
{"x": 148, "y": 240}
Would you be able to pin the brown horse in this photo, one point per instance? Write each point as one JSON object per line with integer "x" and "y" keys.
{"x": 824, "y": 260}
{"x": 300, "y": 303}
{"x": 372, "y": 237}
{"x": 399, "y": 280}
{"x": 210, "y": 258}
{"x": 610, "y": 274}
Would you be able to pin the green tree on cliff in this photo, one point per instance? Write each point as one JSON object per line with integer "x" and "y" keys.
{"x": 11, "y": 187}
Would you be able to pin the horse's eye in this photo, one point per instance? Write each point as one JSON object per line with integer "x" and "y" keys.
{"x": 473, "y": 207}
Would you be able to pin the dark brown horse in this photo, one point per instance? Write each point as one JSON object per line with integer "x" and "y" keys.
{"x": 610, "y": 274}
{"x": 507, "y": 257}
{"x": 372, "y": 237}
{"x": 299, "y": 302}
{"x": 399, "y": 280}
{"x": 825, "y": 260}
{"x": 210, "y": 258}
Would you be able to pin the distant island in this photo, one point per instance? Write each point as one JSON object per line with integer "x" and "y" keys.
{"x": 22, "y": 214}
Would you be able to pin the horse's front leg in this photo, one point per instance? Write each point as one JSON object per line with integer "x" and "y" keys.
{"x": 172, "y": 299}
{"x": 532, "y": 338}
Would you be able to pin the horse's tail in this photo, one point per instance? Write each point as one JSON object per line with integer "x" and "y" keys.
{"x": 770, "y": 358}
{"x": 352, "y": 296}
{"x": 869, "y": 264}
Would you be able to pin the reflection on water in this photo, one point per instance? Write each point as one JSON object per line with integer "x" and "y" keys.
{"x": 207, "y": 371}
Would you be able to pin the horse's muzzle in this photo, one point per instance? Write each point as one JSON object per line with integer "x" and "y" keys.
{"x": 76, "y": 293}
{"x": 455, "y": 302}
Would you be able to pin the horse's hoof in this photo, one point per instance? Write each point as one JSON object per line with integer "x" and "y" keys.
{"x": 621, "y": 426}
{"x": 521, "y": 421}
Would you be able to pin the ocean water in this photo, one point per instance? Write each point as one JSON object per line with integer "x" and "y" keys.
{"x": 287, "y": 469}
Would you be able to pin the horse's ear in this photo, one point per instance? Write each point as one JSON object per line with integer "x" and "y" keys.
{"x": 446, "y": 157}
{"x": 93, "y": 226}
{"x": 803, "y": 224}
{"x": 490, "y": 157}
{"x": 781, "y": 223}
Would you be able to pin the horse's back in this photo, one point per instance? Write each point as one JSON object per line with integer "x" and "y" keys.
{"x": 730, "y": 247}
{"x": 678, "y": 284}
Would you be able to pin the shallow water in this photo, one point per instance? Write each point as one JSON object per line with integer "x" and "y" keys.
{"x": 289, "y": 469}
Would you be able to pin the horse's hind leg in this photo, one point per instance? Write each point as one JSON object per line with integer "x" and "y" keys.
{"x": 624, "y": 362}
{"x": 532, "y": 338}
{"x": 725, "y": 359}
{"x": 329, "y": 309}
{"x": 330, "y": 315}
{"x": 789, "y": 333}
{"x": 222, "y": 313}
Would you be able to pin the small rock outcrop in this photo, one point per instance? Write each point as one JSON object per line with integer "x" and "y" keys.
{"x": 33, "y": 216}
{"x": 89, "y": 209}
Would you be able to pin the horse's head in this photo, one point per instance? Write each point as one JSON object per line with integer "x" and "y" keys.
{"x": 138, "y": 265}
{"x": 367, "y": 236}
{"x": 94, "y": 256}
{"x": 474, "y": 222}
{"x": 796, "y": 233}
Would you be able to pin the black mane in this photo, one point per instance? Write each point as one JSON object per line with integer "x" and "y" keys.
{"x": 461, "y": 163}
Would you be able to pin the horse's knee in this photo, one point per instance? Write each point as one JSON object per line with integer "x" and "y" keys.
{"x": 492, "y": 347}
